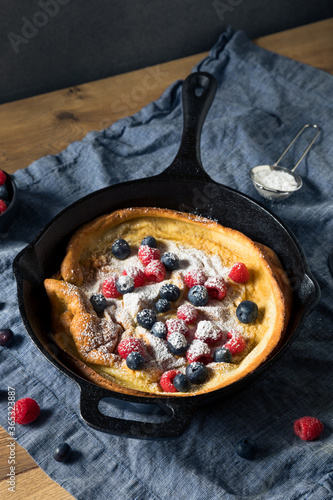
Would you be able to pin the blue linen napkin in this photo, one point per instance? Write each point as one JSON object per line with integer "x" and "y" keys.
{"x": 263, "y": 99}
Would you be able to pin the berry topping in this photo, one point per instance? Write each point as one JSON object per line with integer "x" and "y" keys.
{"x": 169, "y": 292}
{"x": 98, "y": 301}
{"x": 246, "y": 448}
{"x": 195, "y": 277}
{"x": 62, "y": 452}
{"x": 2, "y": 177}
{"x": 187, "y": 313}
{"x": 177, "y": 343}
{"x": 3, "y": 207}
{"x": 208, "y": 332}
{"x": 131, "y": 344}
{"x": 182, "y": 383}
{"x": 162, "y": 305}
{"x": 198, "y": 295}
{"x": 25, "y": 411}
{"x": 125, "y": 284}
{"x": 247, "y": 311}
{"x": 6, "y": 337}
{"x": 150, "y": 241}
{"x": 177, "y": 326}
{"x": 146, "y": 318}
{"x": 148, "y": 254}
{"x": 308, "y": 428}
{"x": 135, "y": 360}
{"x": 166, "y": 381}
{"x": 136, "y": 273}
{"x": 120, "y": 249}
{"x": 159, "y": 330}
{"x": 199, "y": 351}
{"x": 155, "y": 271}
{"x": 196, "y": 372}
{"x": 4, "y": 195}
{"x": 239, "y": 273}
{"x": 109, "y": 289}
{"x": 170, "y": 261}
{"x": 236, "y": 343}
{"x": 222, "y": 355}
{"x": 217, "y": 288}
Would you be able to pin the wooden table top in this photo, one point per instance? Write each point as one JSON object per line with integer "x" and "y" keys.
{"x": 46, "y": 124}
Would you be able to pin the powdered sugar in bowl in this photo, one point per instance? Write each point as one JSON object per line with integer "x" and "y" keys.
{"x": 277, "y": 183}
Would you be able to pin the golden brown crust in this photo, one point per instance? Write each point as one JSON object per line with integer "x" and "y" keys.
{"x": 73, "y": 313}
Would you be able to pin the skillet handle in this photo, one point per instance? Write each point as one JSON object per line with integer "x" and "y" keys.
{"x": 178, "y": 415}
{"x": 198, "y": 93}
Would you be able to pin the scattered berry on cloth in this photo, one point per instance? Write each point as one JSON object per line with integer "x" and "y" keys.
{"x": 25, "y": 411}
{"x": 6, "y": 337}
{"x": 62, "y": 452}
{"x": 308, "y": 428}
{"x": 246, "y": 448}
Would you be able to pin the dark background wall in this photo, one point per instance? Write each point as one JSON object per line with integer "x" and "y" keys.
{"x": 51, "y": 44}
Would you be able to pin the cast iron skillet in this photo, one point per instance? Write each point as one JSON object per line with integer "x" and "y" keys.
{"x": 184, "y": 186}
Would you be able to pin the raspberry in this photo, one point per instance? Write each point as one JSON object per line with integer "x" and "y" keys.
{"x": 155, "y": 271}
{"x": 239, "y": 273}
{"x": 236, "y": 343}
{"x": 2, "y": 177}
{"x": 3, "y": 207}
{"x": 136, "y": 273}
{"x": 147, "y": 254}
{"x": 187, "y": 313}
{"x": 109, "y": 289}
{"x": 25, "y": 411}
{"x": 208, "y": 332}
{"x": 176, "y": 326}
{"x": 308, "y": 428}
{"x": 167, "y": 379}
{"x": 194, "y": 277}
{"x": 199, "y": 351}
{"x": 132, "y": 344}
{"x": 217, "y": 289}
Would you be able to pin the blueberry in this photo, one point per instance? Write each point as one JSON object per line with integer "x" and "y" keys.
{"x": 247, "y": 311}
{"x": 121, "y": 249}
{"x": 146, "y": 318}
{"x": 222, "y": 355}
{"x": 159, "y": 330}
{"x": 196, "y": 372}
{"x": 4, "y": 195}
{"x": 62, "y": 452}
{"x": 135, "y": 360}
{"x": 169, "y": 292}
{"x": 98, "y": 301}
{"x": 198, "y": 295}
{"x": 177, "y": 343}
{"x": 150, "y": 241}
{"x": 125, "y": 284}
{"x": 162, "y": 305}
{"x": 246, "y": 448}
{"x": 6, "y": 337}
{"x": 170, "y": 261}
{"x": 182, "y": 383}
